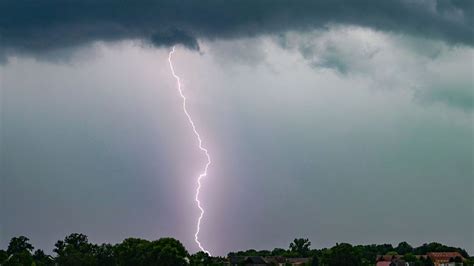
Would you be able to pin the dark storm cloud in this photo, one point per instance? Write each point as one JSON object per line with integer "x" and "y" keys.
{"x": 38, "y": 26}
{"x": 170, "y": 37}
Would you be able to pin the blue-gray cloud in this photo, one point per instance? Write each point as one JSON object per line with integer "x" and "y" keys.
{"x": 435, "y": 71}
{"x": 35, "y": 27}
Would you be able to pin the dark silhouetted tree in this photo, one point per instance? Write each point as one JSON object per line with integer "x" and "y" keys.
{"x": 200, "y": 259}
{"x": 315, "y": 261}
{"x": 3, "y": 256}
{"x": 278, "y": 252}
{"x": 19, "y": 252}
{"x": 41, "y": 259}
{"x": 409, "y": 257}
{"x": 105, "y": 255}
{"x": 457, "y": 260}
{"x": 426, "y": 262}
{"x": 404, "y": 248}
{"x": 437, "y": 247}
{"x": 300, "y": 246}
{"x": 341, "y": 255}
{"x": 383, "y": 249}
{"x": 75, "y": 250}
{"x": 20, "y": 259}
{"x": 168, "y": 252}
{"x": 132, "y": 251}
{"x": 264, "y": 253}
{"x": 18, "y": 245}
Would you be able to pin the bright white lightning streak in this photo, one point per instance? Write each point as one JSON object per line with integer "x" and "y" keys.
{"x": 201, "y": 147}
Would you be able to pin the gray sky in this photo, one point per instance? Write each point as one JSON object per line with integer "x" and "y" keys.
{"x": 358, "y": 131}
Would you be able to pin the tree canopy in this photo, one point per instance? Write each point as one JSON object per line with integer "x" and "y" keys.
{"x": 300, "y": 246}
{"x": 75, "y": 249}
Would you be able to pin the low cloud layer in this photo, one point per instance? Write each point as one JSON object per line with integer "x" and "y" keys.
{"x": 36, "y": 27}
{"x": 434, "y": 71}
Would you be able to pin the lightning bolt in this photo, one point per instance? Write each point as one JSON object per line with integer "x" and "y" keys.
{"x": 201, "y": 147}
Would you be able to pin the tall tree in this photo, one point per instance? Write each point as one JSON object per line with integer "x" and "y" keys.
{"x": 300, "y": 246}
{"x": 132, "y": 251}
{"x": 41, "y": 259}
{"x": 278, "y": 252}
{"x": 105, "y": 255}
{"x": 404, "y": 248}
{"x": 19, "y": 252}
{"x": 20, "y": 259}
{"x": 18, "y": 245}
{"x": 341, "y": 255}
{"x": 75, "y": 250}
{"x": 3, "y": 256}
{"x": 168, "y": 252}
{"x": 200, "y": 259}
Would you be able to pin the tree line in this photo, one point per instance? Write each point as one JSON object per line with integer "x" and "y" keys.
{"x": 359, "y": 255}
{"x": 75, "y": 249}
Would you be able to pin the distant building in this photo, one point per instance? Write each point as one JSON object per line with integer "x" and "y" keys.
{"x": 391, "y": 260}
{"x": 255, "y": 261}
{"x": 298, "y": 261}
{"x": 446, "y": 258}
{"x": 247, "y": 261}
{"x": 276, "y": 260}
{"x": 438, "y": 259}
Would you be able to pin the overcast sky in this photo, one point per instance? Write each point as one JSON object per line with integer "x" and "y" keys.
{"x": 335, "y": 121}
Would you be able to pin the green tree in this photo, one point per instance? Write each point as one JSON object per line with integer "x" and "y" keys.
{"x": 105, "y": 255}
{"x": 300, "y": 246}
{"x": 264, "y": 253}
{"x": 20, "y": 259}
{"x": 315, "y": 261}
{"x": 341, "y": 255}
{"x": 19, "y": 252}
{"x": 248, "y": 252}
{"x": 75, "y": 250}
{"x": 469, "y": 261}
{"x": 167, "y": 252}
{"x": 384, "y": 248}
{"x": 426, "y": 262}
{"x": 41, "y": 259}
{"x": 3, "y": 256}
{"x": 19, "y": 245}
{"x": 457, "y": 260}
{"x": 409, "y": 257}
{"x": 404, "y": 248}
{"x": 139, "y": 252}
{"x": 368, "y": 253}
{"x": 437, "y": 247}
{"x": 132, "y": 251}
{"x": 278, "y": 252}
{"x": 200, "y": 259}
